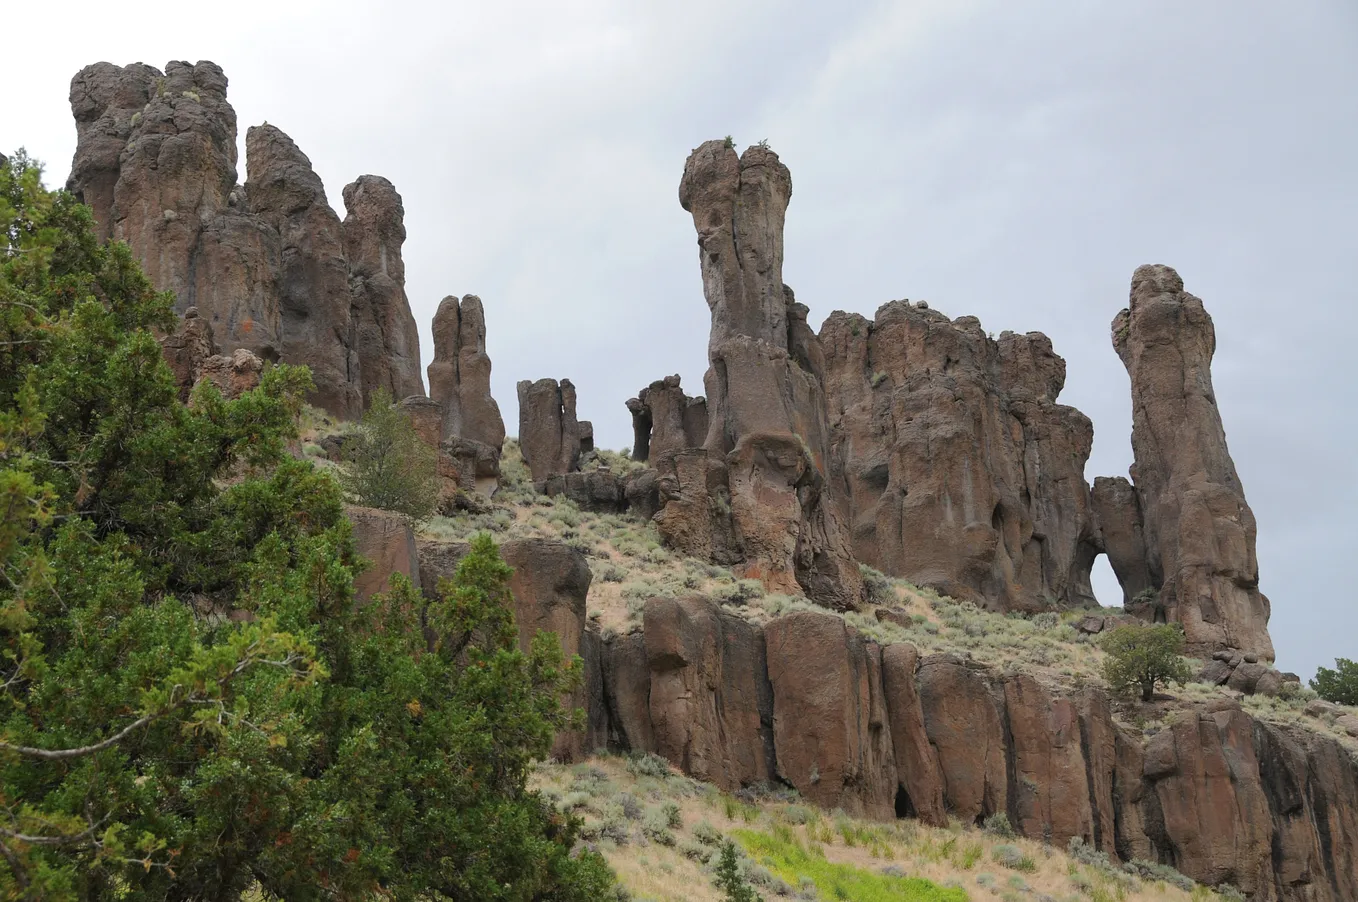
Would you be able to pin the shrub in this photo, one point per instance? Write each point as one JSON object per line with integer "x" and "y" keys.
{"x": 387, "y": 465}
{"x": 876, "y": 586}
{"x": 729, "y": 878}
{"x": 1013, "y": 857}
{"x": 1339, "y": 685}
{"x": 673, "y": 817}
{"x": 998, "y": 824}
{"x": 1153, "y": 870}
{"x": 656, "y": 827}
{"x": 648, "y": 765}
{"x": 1141, "y": 656}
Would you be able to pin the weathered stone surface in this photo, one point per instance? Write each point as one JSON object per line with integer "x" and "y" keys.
{"x": 832, "y": 740}
{"x": 387, "y": 541}
{"x": 966, "y": 728}
{"x": 549, "y": 433}
{"x": 641, "y": 491}
{"x": 765, "y": 401}
{"x": 1215, "y": 823}
{"x": 186, "y": 349}
{"x": 550, "y": 583}
{"x": 627, "y": 693}
{"x": 233, "y": 374}
{"x": 386, "y": 339}
{"x": 1118, "y": 516}
{"x": 1199, "y": 530}
{"x": 710, "y": 700}
{"x": 694, "y": 496}
{"x": 953, "y": 463}
{"x": 1051, "y": 791}
{"x": 459, "y": 376}
{"x": 920, "y": 784}
{"x": 665, "y": 419}
{"x": 1216, "y": 673}
{"x": 1245, "y": 677}
{"x": 600, "y": 491}
{"x": 313, "y": 277}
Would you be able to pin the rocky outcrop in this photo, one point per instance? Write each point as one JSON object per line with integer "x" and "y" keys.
{"x": 664, "y": 419}
{"x": 964, "y": 722}
{"x": 192, "y": 356}
{"x": 1199, "y": 532}
{"x": 711, "y": 705}
{"x": 952, "y": 462}
{"x": 267, "y": 265}
{"x": 549, "y": 433}
{"x": 313, "y": 276}
{"x": 599, "y": 490}
{"x": 766, "y": 408}
{"x": 387, "y": 542}
{"x": 459, "y": 376}
{"x": 1117, "y": 515}
{"x": 386, "y": 339}
{"x": 919, "y": 792}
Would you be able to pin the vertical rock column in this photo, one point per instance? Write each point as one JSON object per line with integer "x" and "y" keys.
{"x": 549, "y": 433}
{"x": 387, "y": 340}
{"x": 471, "y": 432}
{"x": 766, "y": 442}
{"x": 1199, "y": 531}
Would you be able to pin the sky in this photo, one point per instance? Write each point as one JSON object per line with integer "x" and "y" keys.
{"x": 1015, "y": 162}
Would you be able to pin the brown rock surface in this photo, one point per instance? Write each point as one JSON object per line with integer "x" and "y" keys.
{"x": 387, "y": 342}
{"x": 313, "y": 277}
{"x": 953, "y": 463}
{"x": 711, "y": 704}
{"x": 233, "y": 374}
{"x": 549, "y": 433}
{"x": 459, "y": 376}
{"x": 186, "y": 349}
{"x": 920, "y": 791}
{"x": 765, "y": 403}
{"x": 1199, "y": 530}
{"x": 830, "y": 727}
{"x": 965, "y": 726}
{"x": 1051, "y": 790}
{"x": 665, "y": 419}
{"x": 1118, "y": 515}
{"x": 387, "y": 541}
{"x": 627, "y": 693}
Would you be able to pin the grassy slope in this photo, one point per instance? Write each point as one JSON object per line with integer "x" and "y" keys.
{"x": 659, "y": 831}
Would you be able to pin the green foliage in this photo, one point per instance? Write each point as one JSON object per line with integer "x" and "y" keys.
{"x": 1140, "y": 656}
{"x": 1339, "y": 685}
{"x": 998, "y": 824}
{"x": 1013, "y": 858}
{"x": 728, "y": 875}
{"x": 729, "y": 143}
{"x": 388, "y": 465}
{"x": 791, "y": 861}
{"x": 190, "y": 704}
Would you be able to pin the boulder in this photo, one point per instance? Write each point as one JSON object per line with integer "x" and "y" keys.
{"x": 1199, "y": 531}
{"x": 233, "y": 374}
{"x": 1245, "y": 677}
{"x": 600, "y": 491}
{"x": 1216, "y": 673}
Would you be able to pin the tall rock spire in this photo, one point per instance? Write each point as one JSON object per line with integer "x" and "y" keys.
{"x": 756, "y": 497}
{"x": 1199, "y": 532}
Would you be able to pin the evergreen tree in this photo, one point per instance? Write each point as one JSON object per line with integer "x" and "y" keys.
{"x": 1339, "y": 685}
{"x": 387, "y": 464}
{"x": 729, "y": 879}
{"x": 1142, "y": 656}
{"x": 190, "y": 704}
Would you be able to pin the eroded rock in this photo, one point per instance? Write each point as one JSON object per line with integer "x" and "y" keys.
{"x": 549, "y": 433}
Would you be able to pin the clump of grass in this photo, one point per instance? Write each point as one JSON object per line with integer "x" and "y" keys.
{"x": 1014, "y": 858}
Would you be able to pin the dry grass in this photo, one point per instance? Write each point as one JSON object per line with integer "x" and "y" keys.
{"x": 622, "y": 806}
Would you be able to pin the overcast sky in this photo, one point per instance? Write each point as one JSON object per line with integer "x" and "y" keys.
{"x": 1015, "y": 161}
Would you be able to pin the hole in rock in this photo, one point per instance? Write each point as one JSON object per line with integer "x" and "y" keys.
{"x": 904, "y": 807}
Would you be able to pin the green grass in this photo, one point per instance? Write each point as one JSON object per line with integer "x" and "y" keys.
{"x": 792, "y": 862}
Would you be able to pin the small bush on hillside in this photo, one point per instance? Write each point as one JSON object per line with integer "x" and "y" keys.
{"x": 1339, "y": 685}
{"x": 1013, "y": 858}
{"x": 876, "y": 586}
{"x": 1153, "y": 870}
{"x": 998, "y": 824}
{"x": 648, "y": 765}
{"x": 729, "y": 878}
{"x": 388, "y": 465}
{"x": 1142, "y": 656}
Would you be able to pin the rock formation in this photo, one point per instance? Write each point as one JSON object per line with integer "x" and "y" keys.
{"x": 470, "y": 431}
{"x": 192, "y": 356}
{"x": 313, "y": 276}
{"x": 1198, "y": 530}
{"x": 267, "y": 265}
{"x": 549, "y": 433}
{"x": 386, "y": 338}
{"x": 664, "y": 419}
{"x": 952, "y": 462}
{"x": 1216, "y": 794}
{"x": 754, "y": 495}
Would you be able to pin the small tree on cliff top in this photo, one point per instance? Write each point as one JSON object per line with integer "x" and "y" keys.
{"x": 387, "y": 464}
{"x": 1143, "y": 655}
{"x": 1339, "y": 685}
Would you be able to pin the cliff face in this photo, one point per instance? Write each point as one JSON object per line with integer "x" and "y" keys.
{"x": 953, "y": 463}
{"x": 879, "y": 732}
{"x": 1198, "y": 531}
{"x": 267, "y": 264}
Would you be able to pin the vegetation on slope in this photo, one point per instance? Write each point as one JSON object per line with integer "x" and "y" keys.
{"x": 663, "y": 834}
{"x": 191, "y": 707}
